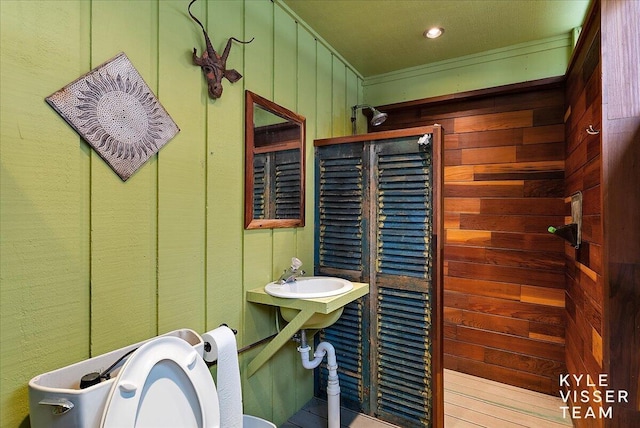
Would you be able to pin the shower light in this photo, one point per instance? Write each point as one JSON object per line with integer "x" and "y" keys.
{"x": 377, "y": 118}
{"x": 434, "y": 33}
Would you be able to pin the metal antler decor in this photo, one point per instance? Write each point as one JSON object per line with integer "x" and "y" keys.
{"x": 213, "y": 65}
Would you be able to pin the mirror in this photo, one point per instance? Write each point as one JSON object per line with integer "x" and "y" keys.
{"x": 274, "y": 165}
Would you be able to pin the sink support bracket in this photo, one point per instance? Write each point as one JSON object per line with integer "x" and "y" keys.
{"x": 278, "y": 342}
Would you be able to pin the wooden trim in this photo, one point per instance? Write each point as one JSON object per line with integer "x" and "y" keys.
{"x": 437, "y": 352}
{"x": 248, "y": 159}
{"x": 385, "y": 135}
{"x": 547, "y": 83}
{"x": 250, "y": 150}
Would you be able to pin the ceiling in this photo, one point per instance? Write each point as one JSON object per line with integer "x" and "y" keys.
{"x": 380, "y": 36}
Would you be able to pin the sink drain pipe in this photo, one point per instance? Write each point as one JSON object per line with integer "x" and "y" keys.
{"x": 333, "y": 385}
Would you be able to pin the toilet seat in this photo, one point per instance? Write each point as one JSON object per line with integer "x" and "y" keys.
{"x": 165, "y": 383}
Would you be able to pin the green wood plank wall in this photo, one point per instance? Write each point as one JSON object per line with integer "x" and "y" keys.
{"x": 258, "y": 255}
{"x": 181, "y": 185}
{"x": 44, "y": 210}
{"x": 222, "y": 136}
{"x": 124, "y": 217}
{"x": 304, "y": 241}
{"x": 90, "y": 263}
{"x": 284, "y": 240}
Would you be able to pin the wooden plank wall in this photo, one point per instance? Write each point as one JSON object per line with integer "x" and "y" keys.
{"x": 603, "y": 280}
{"x": 504, "y": 185}
{"x": 585, "y": 296}
{"x": 621, "y": 204}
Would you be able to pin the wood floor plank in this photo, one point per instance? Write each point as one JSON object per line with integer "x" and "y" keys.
{"x": 530, "y": 407}
{"x": 497, "y": 415}
{"x": 454, "y": 422}
{"x": 462, "y": 381}
{"x": 475, "y": 417}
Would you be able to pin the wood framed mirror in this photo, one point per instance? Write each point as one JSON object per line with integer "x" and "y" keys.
{"x": 274, "y": 165}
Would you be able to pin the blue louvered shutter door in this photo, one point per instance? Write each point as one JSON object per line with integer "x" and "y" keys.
{"x": 340, "y": 233}
{"x": 402, "y": 292}
{"x": 260, "y": 185}
{"x": 287, "y": 184}
{"x": 340, "y": 185}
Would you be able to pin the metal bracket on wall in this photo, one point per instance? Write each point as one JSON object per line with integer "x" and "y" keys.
{"x": 576, "y": 214}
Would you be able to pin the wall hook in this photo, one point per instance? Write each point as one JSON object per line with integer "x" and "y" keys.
{"x": 592, "y": 131}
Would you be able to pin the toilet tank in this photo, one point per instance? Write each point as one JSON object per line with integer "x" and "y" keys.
{"x": 56, "y": 400}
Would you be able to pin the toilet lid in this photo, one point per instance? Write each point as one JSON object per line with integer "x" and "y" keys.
{"x": 165, "y": 383}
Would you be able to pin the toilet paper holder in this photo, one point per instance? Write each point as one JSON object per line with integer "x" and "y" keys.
{"x": 207, "y": 345}
{"x": 232, "y": 329}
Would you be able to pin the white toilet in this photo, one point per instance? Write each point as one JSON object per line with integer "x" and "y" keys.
{"x": 164, "y": 383}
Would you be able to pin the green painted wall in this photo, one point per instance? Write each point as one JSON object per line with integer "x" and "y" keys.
{"x": 89, "y": 263}
{"x": 514, "y": 64}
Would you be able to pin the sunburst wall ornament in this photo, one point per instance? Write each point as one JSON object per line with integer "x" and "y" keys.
{"x": 114, "y": 110}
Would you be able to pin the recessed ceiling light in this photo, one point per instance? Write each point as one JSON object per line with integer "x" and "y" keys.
{"x": 434, "y": 33}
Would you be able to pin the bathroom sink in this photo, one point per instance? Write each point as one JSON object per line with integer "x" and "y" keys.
{"x": 310, "y": 287}
{"x": 302, "y": 308}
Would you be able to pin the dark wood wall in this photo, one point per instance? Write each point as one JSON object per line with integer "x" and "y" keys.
{"x": 620, "y": 20}
{"x": 603, "y": 276}
{"x": 504, "y": 274}
{"x": 585, "y": 291}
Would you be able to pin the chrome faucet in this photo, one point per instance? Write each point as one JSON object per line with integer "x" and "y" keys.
{"x": 290, "y": 275}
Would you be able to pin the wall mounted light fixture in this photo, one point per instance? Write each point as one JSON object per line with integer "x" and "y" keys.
{"x": 377, "y": 118}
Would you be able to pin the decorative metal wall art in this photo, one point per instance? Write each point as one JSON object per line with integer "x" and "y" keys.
{"x": 114, "y": 110}
{"x": 213, "y": 65}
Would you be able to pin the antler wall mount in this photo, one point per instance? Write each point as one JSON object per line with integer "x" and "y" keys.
{"x": 214, "y": 66}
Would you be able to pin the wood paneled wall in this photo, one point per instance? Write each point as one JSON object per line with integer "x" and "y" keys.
{"x": 503, "y": 186}
{"x": 603, "y": 276}
{"x": 621, "y": 204}
{"x": 585, "y": 295}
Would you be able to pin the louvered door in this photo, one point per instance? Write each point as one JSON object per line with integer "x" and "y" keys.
{"x": 341, "y": 205}
{"x": 342, "y": 251}
{"x": 402, "y": 276}
{"x": 378, "y": 218}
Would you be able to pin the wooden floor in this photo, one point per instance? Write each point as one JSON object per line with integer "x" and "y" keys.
{"x": 472, "y": 402}
{"x": 469, "y": 402}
